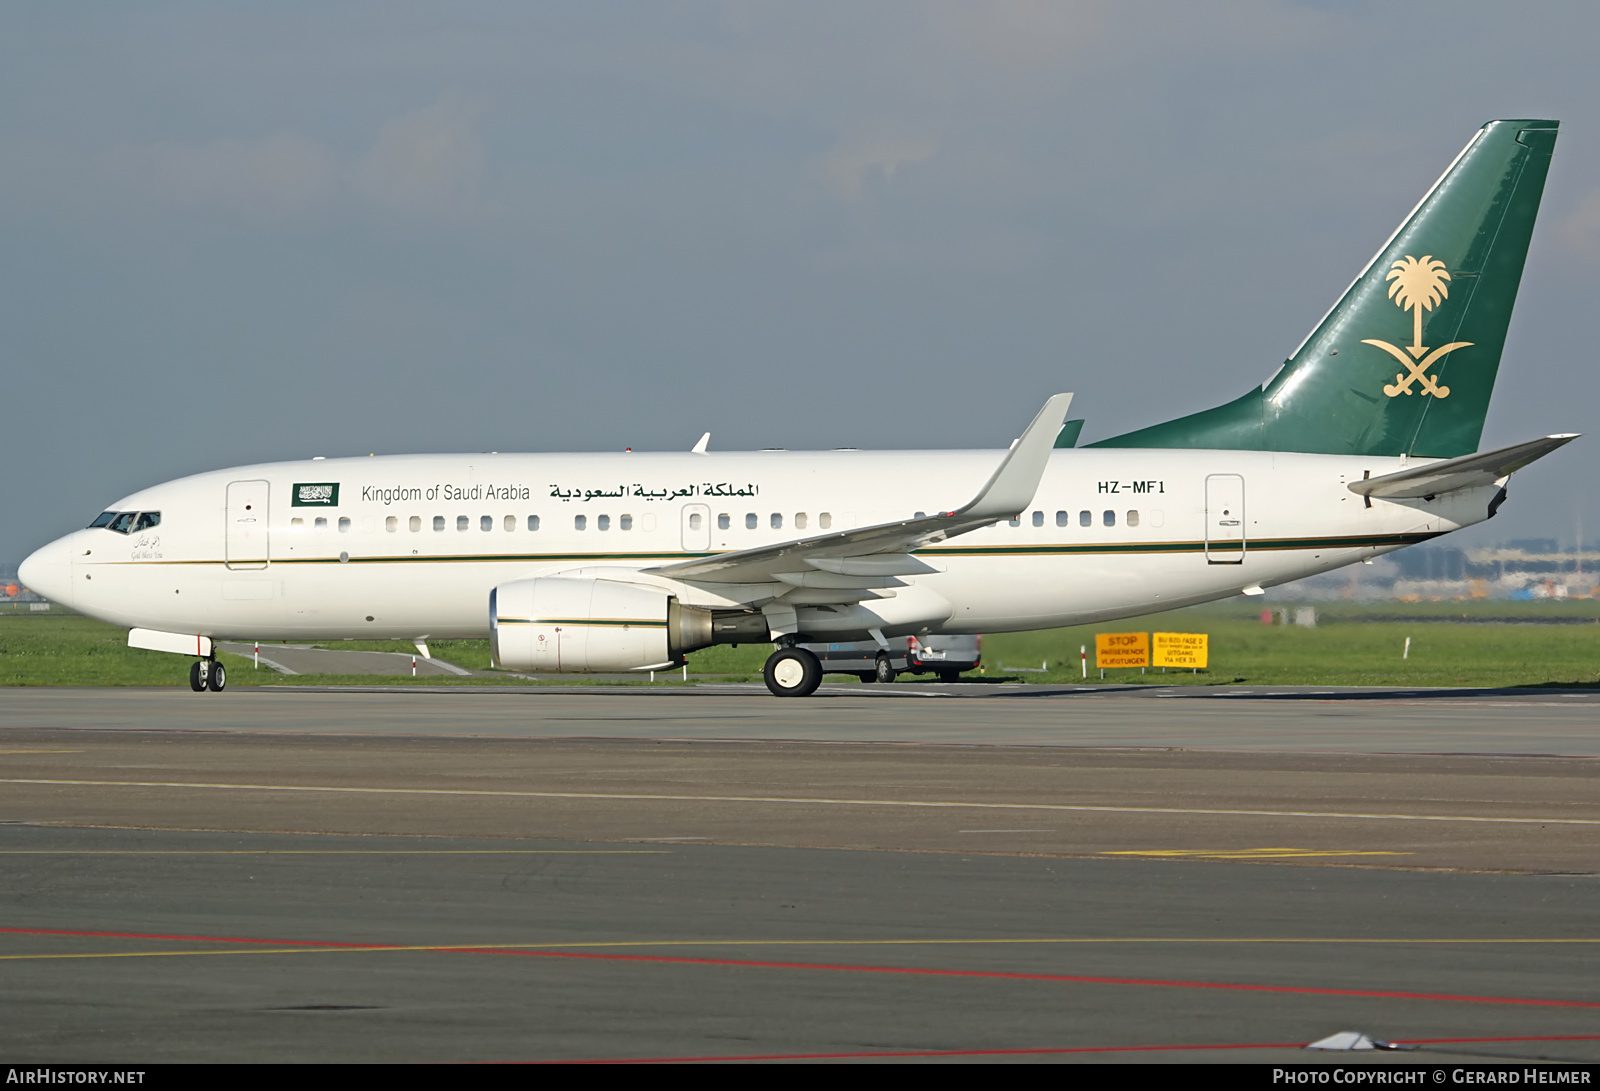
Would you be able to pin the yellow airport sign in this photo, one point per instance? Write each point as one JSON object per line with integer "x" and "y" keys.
{"x": 1121, "y": 650}
{"x": 1179, "y": 650}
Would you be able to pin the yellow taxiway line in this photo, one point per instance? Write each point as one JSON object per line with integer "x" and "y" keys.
{"x": 768, "y": 943}
{"x": 805, "y": 801}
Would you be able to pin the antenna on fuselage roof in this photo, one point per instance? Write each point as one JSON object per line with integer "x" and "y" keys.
{"x": 700, "y": 448}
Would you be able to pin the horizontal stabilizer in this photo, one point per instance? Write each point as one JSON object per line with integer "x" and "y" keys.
{"x": 1466, "y": 472}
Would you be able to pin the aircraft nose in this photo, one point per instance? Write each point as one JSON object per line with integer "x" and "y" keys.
{"x": 48, "y": 571}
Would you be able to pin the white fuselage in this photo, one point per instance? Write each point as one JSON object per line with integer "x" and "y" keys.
{"x": 413, "y": 545}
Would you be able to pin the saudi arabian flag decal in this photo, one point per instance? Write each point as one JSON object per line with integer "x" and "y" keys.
{"x": 319, "y": 495}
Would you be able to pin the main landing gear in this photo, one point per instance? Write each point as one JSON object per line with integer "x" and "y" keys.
{"x": 207, "y": 674}
{"x": 792, "y": 672}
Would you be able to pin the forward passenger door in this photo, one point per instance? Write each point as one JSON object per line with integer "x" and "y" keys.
{"x": 247, "y": 545}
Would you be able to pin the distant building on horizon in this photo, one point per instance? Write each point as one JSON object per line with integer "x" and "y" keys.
{"x": 1522, "y": 568}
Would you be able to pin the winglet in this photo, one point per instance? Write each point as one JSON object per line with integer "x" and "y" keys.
{"x": 700, "y": 448}
{"x": 1014, "y": 484}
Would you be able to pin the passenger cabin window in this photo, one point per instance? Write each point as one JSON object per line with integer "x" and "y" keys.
{"x": 1109, "y": 518}
{"x": 296, "y": 523}
{"x": 604, "y": 522}
{"x": 799, "y": 520}
{"x": 533, "y": 522}
{"x": 1133, "y": 518}
{"x": 391, "y": 524}
{"x": 1015, "y": 521}
{"x": 416, "y": 523}
{"x": 486, "y": 523}
{"x": 723, "y": 521}
{"x": 625, "y": 522}
{"x": 580, "y": 522}
{"x": 1038, "y": 518}
{"x": 751, "y": 521}
{"x": 1085, "y": 519}
{"x": 438, "y": 522}
{"x": 825, "y": 521}
{"x": 344, "y": 524}
{"x": 462, "y": 522}
{"x": 320, "y": 524}
{"x": 1062, "y": 519}
{"x": 777, "y": 521}
{"x": 510, "y": 523}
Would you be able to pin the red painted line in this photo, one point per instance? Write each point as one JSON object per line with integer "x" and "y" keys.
{"x": 1035, "y": 1052}
{"x": 993, "y": 975}
{"x": 1067, "y": 978}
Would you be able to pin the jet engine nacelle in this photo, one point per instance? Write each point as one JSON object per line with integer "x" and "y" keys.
{"x": 579, "y": 624}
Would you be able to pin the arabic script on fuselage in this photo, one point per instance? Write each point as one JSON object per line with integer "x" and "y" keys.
{"x": 637, "y": 491}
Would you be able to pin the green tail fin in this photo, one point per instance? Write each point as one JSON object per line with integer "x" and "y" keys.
{"x": 1406, "y": 361}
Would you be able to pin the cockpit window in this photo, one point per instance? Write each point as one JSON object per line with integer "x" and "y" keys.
{"x": 125, "y": 521}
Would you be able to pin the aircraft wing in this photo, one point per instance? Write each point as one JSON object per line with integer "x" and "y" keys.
{"x": 856, "y": 560}
{"x": 1466, "y": 472}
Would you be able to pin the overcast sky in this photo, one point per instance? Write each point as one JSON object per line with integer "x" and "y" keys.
{"x": 243, "y": 232}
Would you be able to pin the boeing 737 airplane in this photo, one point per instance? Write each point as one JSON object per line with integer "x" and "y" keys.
{"x": 1364, "y": 441}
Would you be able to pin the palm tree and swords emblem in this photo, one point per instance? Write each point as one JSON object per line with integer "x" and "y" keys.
{"x": 1417, "y": 286}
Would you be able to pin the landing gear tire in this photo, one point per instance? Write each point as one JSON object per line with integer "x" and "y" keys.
{"x": 792, "y": 672}
{"x": 216, "y": 677}
{"x": 883, "y": 670}
{"x": 197, "y": 677}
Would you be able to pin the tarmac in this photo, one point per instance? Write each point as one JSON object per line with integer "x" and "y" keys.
{"x": 896, "y": 872}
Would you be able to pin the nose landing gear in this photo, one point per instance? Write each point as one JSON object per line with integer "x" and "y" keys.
{"x": 207, "y": 674}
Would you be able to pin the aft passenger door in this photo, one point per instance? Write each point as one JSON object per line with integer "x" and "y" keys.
{"x": 247, "y": 545}
{"x": 1225, "y": 533}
